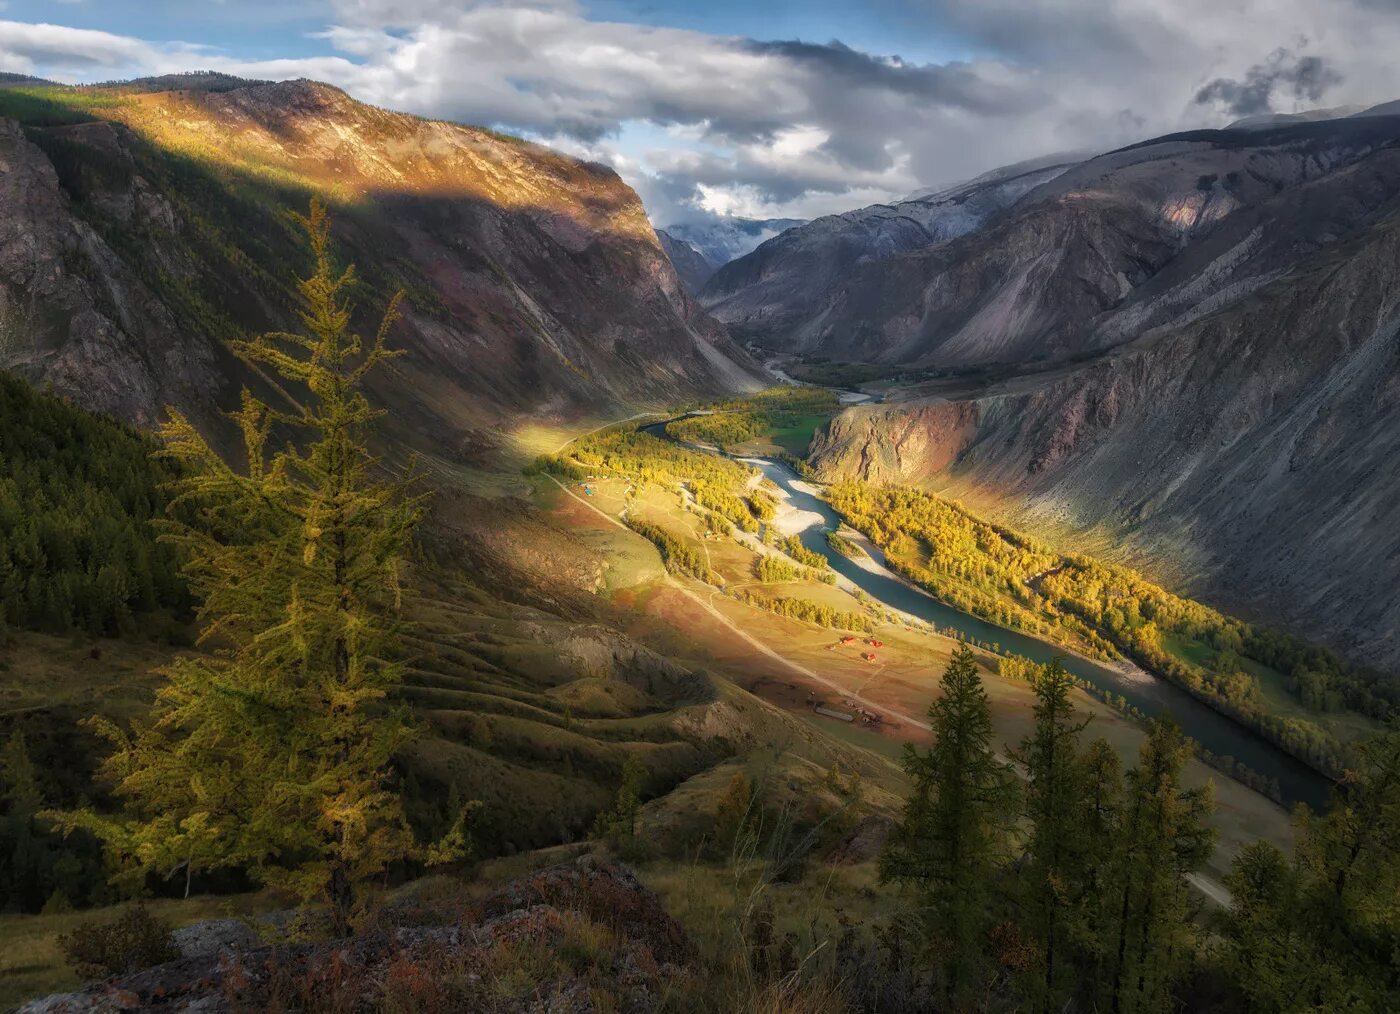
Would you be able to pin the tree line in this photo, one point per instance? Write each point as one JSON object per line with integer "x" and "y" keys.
{"x": 819, "y": 613}
{"x": 740, "y": 420}
{"x": 1068, "y": 887}
{"x": 995, "y": 573}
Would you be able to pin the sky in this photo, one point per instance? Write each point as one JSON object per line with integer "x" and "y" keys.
{"x": 761, "y": 108}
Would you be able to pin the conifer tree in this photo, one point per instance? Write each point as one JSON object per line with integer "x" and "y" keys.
{"x": 1161, "y": 838}
{"x": 20, "y": 800}
{"x": 1055, "y": 869}
{"x": 956, "y": 827}
{"x": 271, "y": 753}
{"x": 1101, "y": 772}
{"x": 1320, "y": 933}
{"x": 619, "y": 824}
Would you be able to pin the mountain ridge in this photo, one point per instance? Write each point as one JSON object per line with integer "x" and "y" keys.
{"x": 693, "y": 267}
{"x": 1234, "y": 436}
{"x": 143, "y": 229}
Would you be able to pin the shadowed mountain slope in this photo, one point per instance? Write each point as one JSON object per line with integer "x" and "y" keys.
{"x": 691, "y": 265}
{"x": 140, "y": 230}
{"x": 1060, "y": 261}
{"x": 1238, "y": 432}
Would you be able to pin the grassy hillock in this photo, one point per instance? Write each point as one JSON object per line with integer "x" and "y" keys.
{"x": 536, "y": 716}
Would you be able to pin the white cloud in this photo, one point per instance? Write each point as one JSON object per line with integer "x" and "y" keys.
{"x": 771, "y": 129}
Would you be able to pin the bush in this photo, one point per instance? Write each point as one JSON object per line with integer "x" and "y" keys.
{"x": 134, "y": 940}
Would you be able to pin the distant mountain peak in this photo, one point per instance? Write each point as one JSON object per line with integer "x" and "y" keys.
{"x": 722, "y": 240}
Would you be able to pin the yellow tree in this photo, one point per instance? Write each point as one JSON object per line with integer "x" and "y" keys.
{"x": 272, "y": 751}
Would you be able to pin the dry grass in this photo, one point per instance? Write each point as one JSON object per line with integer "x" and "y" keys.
{"x": 32, "y": 964}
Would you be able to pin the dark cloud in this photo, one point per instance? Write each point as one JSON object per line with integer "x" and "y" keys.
{"x": 954, "y": 85}
{"x": 1304, "y": 79}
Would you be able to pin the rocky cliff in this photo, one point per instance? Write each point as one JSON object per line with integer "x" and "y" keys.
{"x": 690, "y": 264}
{"x": 140, "y": 229}
{"x": 1059, "y": 261}
{"x": 1242, "y": 448}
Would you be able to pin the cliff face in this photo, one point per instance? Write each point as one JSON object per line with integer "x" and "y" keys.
{"x": 1245, "y": 450}
{"x": 141, "y": 230}
{"x": 1061, "y": 261}
{"x": 690, "y": 264}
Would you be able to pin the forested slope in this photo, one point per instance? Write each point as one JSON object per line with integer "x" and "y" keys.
{"x": 78, "y": 493}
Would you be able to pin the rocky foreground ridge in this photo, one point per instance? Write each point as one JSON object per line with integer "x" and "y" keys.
{"x": 582, "y": 929}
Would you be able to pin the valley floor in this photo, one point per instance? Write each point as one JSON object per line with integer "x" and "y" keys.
{"x": 792, "y": 664}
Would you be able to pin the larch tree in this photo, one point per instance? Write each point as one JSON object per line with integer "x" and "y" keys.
{"x": 1054, "y": 871}
{"x": 1322, "y": 933}
{"x": 1101, "y": 772}
{"x": 1161, "y": 839}
{"x": 956, "y": 829}
{"x": 272, "y": 751}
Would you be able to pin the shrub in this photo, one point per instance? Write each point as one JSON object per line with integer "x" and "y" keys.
{"x": 134, "y": 940}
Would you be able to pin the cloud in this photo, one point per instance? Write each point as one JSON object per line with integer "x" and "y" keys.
{"x": 1305, "y": 79}
{"x": 58, "y": 49}
{"x": 703, "y": 124}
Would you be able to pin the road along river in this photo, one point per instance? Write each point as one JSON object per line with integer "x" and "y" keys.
{"x": 1217, "y": 732}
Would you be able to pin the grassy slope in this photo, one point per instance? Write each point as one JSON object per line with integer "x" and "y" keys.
{"x": 561, "y": 704}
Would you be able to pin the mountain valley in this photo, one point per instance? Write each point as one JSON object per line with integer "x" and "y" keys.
{"x": 982, "y": 601}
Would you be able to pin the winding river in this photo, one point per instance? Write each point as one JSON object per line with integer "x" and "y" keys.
{"x": 1217, "y": 732}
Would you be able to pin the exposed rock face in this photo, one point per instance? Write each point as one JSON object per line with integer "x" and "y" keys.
{"x": 132, "y": 246}
{"x": 786, "y": 292}
{"x": 1243, "y": 445}
{"x": 447, "y": 963}
{"x": 1061, "y": 261}
{"x": 690, "y": 264}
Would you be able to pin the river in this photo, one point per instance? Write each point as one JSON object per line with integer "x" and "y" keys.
{"x": 1153, "y": 696}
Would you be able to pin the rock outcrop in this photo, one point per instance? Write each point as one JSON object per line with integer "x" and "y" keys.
{"x": 571, "y": 934}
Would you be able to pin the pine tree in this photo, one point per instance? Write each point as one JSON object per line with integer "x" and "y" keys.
{"x": 1161, "y": 838}
{"x": 272, "y": 752}
{"x": 956, "y": 827}
{"x": 1055, "y": 870}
